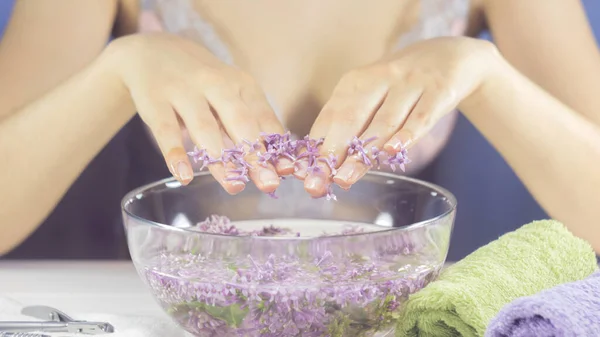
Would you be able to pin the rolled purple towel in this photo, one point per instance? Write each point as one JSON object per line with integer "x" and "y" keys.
{"x": 570, "y": 309}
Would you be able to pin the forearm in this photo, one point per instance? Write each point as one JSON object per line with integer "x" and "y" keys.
{"x": 554, "y": 150}
{"x": 46, "y": 145}
{"x": 563, "y": 57}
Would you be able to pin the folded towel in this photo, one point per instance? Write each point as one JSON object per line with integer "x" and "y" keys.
{"x": 125, "y": 326}
{"x": 471, "y": 292}
{"x": 571, "y": 309}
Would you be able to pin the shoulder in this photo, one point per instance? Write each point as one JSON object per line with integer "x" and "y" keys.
{"x": 49, "y": 41}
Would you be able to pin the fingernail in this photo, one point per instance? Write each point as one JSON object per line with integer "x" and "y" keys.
{"x": 300, "y": 168}
{"x": 268, "y": 178}
{"x": 315, "y": 182}
{"x": 236, "y": 183}
{"x": 401, "y": 140}
{"x": 286, "y": 165}
{"x": 184, "y": 171}
{"x": 346, "y": 172}
{"x": 235, "y": 186}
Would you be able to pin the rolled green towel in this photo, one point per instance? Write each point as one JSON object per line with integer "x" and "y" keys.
{"x": 468, "y": 294}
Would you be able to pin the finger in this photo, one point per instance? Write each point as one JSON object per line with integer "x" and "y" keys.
{"x": 318, "y": 131}
{"x": 387, "y": 121}
{"x": 351, "y": 114}
{"x": 232, "y": 170}
{"x": 207, "y": 135}
{"x": 307, "y": 156}
{"x": 324, "y": 120}
{"x": 310, "y": 152}
{"x": 281, "y": 151}
{"x": 162, "y": 121}
{"x": 270, "y": 126}
{"x": 240, "y": 124}
{"x": 432, "y": 105}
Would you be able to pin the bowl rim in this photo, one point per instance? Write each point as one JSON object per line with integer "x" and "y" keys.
{"x": 131, "y": 196}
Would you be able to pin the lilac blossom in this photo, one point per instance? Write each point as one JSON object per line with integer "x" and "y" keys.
{"x": 321, "y": 292}
{"x": 357, "y": 148}
{"x": 283, "y": 296}
{"x": 271, "y": 147}
{"x": 400, "y": 159}
{"x": 218, "y": 224}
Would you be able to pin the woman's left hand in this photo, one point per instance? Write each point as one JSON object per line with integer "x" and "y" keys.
{"x": 397, "y": 100}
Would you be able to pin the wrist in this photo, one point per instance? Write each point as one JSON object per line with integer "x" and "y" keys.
{"x": 109, "y": 62}
{"x": 106, "y": 69}
{"x": 496, "y": 69}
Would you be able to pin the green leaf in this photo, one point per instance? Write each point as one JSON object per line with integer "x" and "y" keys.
{"x": 232, "y": 266}
{"x": 357, "y": 258}
{"x": 233, "y": 315}
{"x": 236, "y": 315}
{"x": 338, "y": 326}
{"x": 216, "y": 312}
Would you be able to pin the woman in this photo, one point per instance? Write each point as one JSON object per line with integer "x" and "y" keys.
{"x": 298, "y": 65}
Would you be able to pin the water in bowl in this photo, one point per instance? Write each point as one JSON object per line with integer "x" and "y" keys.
{"x": 313, "y": 289}
{"x": 308, "y": 227}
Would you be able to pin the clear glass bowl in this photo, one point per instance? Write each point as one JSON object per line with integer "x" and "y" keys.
{"x": 386, "y": 238}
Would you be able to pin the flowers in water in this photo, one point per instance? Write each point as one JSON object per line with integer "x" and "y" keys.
{"x": 218, "y": 224}
{"x": 321, "y": 290}
{"x": 283, "y": 296}
{"x": 279, "y": 146}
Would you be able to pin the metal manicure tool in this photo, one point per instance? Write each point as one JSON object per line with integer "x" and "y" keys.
{"x": 55, "y": 321}
{"x": 21, "y": 334}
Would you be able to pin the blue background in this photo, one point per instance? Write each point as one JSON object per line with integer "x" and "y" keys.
{"x": 492, "y": 201}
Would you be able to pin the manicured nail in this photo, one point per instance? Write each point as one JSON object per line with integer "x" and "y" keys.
{"x": 286, "y": 166}
{"x": 315, "y": 182}
{"x": 184, "y": 171}
{"x": 400, "y": 141}
{"x": 236, "y": 183}
{"x": 301, "y": 168}
{"x": 268, "y": 178}
{"x": 235, "y": 186}
{"x": 346, "y": 172}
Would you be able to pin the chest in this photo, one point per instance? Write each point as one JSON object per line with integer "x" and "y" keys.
{"x": 299, "y": 49}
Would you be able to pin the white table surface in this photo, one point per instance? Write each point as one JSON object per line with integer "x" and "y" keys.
{"x": 76, "y": 287}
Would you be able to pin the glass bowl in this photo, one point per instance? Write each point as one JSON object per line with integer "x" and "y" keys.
{"x": 325, "y": 268}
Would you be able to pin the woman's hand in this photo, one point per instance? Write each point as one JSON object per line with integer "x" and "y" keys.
{"x": 177, "y": 83}
{"x": 395, "y": 102}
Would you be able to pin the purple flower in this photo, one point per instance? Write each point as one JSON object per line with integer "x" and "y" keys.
{"x": 320, "y": 292}
{"x": 331, "y": 162}
{"x": 400, "y": 160}
{"x": 201, "y": 155}
{"x": 357, "y": 148}
{"x": 218, "y": 224}
{"x": 277, "y": 146}
{"x": 330, "y": 195}
{"x": 240, "y": 174}
{"x": 282, "y": 295}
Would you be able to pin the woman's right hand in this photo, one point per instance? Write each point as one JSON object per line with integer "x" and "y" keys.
{"x": 176, "y": 82}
